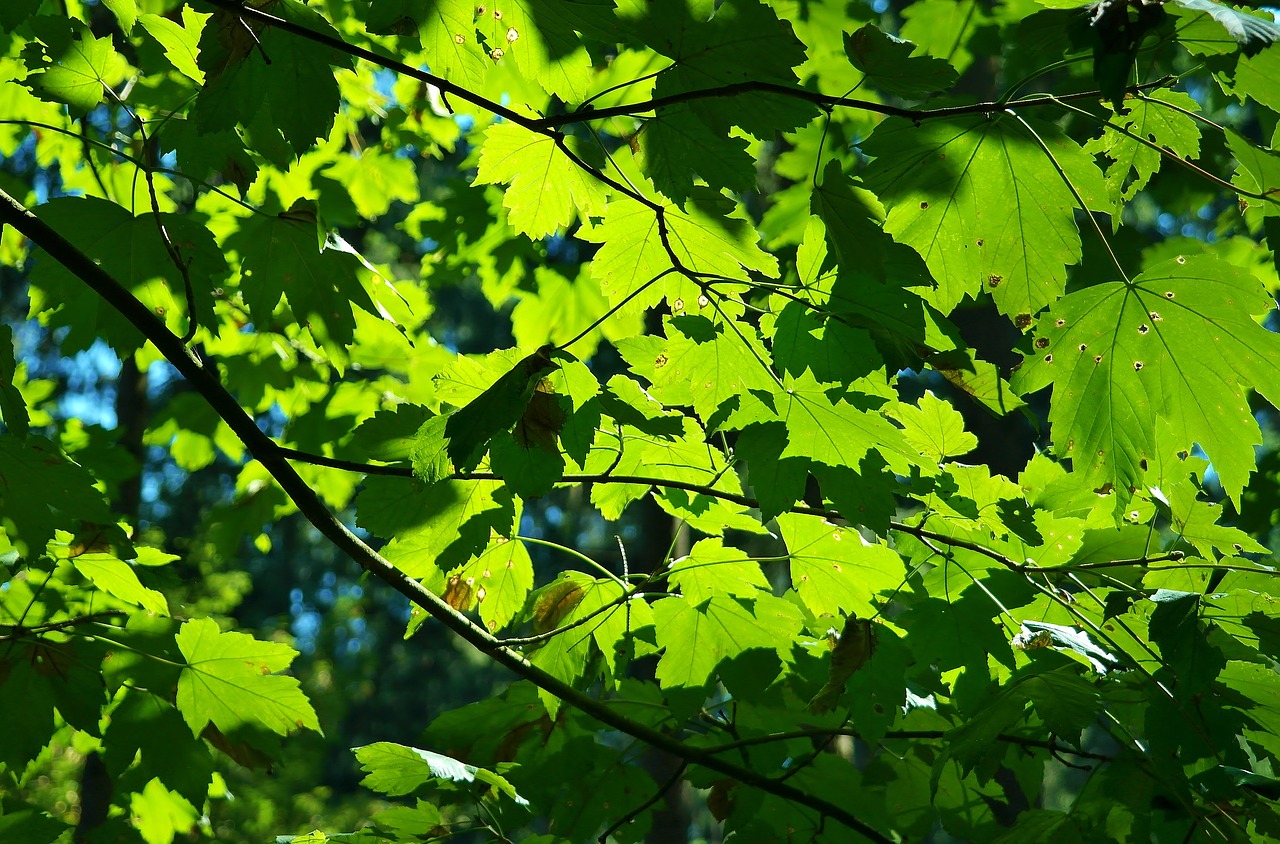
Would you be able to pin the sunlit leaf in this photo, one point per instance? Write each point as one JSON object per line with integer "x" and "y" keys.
{"x": 231, "y": 680}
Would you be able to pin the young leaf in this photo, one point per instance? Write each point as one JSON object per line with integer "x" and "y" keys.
{"x": 935, "y": 428}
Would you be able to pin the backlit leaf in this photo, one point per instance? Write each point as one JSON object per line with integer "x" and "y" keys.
{"x": 985, "y": 205}
{"x": 1165, "y": 358}
{"x": 231, "y": 680}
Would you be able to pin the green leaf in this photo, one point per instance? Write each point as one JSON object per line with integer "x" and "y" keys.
{"x": 889, "y": 65}
{"x": 698, "y": 637}
{"x": 541, "y": 38}
{"x": 396, "y": 770}
{"x": 1155, "y": 120}
{"x": 126, "y": 12}
{"x": 712, "y": 569}
{"x": 27, "y": 826}
{"x": 704, "y": 363}
{"x": 944, "y": 29}
{"x": 375, "y": 180}
{"x": 1253, "y": 34}
{"x": 595, "y": 612}
{"x": 1164, "y": 359}
{"x": 243, "y": 86}
{"x": 116, "y": 577}
{"x": 825, "y": 424}
{"x": 710, "y": 235}
{"x": 438, "y": 529}
{"x": 181, "y": 42}
{"x": 72, "y": 66}
{"x": 676, "y": 145}
{"x": 547, "y": 187}
{"x": 142, "y": 723}
{"x": 446, "y": 29}
{"x": 229, "y": 681}
{"x": 470, "y": 428}
{"x": 160, "y": 814}
{"x": 282, "y": 255}
{"x": 42, "y": 491}
{"x": 1196, "y": 522}
{"x": 562, "y": 308}
{"x": 498, "y": 581}
{"x": 13, "y": 407}
{"x": 1258, "y": 172}
{"x": 834, "y": 570}
{"x": 712, "y": 47}
{"x": 935, "y": 428}
{"x": 1064, "y": 701}
{"x": 1257, "y": 76}
{"x": 985, "y": 205}
{"x": 132, "y": 251}
{"x": 15, "y": 13}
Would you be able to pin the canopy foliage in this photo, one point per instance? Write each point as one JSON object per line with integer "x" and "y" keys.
{"x": 941, "y": 332}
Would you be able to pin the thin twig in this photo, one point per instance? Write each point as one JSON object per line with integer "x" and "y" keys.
{"x": 635, "y": 813}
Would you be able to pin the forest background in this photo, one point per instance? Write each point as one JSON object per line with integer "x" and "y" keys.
{"x": 561, "y": 421}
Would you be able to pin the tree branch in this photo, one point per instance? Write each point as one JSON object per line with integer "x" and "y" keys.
{"x": 789, "y": 735}
{"x": 276, "y": 462}
{"x": 825, "y": 101}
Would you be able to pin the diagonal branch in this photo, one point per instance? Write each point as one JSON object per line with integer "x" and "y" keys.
{"x": 205, "y": 380}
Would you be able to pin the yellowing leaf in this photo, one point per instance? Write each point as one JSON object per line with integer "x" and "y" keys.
{"x": 229, "y": 681}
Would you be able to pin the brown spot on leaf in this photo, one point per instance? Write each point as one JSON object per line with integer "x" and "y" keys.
{"x": 993, "y": 280}
{"x": 1042, "y": 342}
